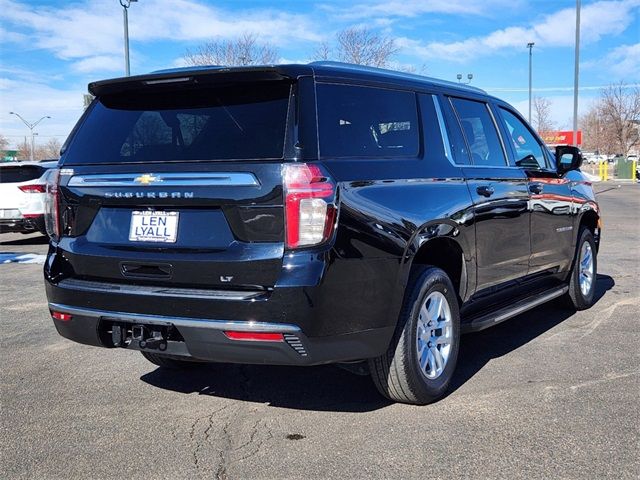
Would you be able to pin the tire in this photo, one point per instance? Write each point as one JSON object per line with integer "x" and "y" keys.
{"x": 169, "y": 361}
{"x": 397, "y": 373}
{"x": 41, "y": 226}
{"x": 578, "y": 296}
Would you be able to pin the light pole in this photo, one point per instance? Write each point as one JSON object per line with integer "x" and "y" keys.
{"x": 469, "y": 78}
{"x": 575, "y": 76}
{"x": 30, "y": 126}
{"x": 125, "y": 7}
{"x": 530, "y": 47}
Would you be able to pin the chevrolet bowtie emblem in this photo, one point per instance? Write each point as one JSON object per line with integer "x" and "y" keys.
{"x": 145, "y": 179}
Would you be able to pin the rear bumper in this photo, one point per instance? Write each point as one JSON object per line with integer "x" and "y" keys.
{"x": 339, "y": 310}
{"x": 205, "y": 339}
{"x": 22, "y": 224}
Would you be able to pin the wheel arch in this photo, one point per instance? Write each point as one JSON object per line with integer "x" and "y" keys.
{"x": 444, "y": 252}
{"x": 590, "y": 218}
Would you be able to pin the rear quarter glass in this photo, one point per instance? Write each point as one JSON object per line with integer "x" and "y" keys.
{"x": 241, "y": 122}
{"x": 359, "y": 121}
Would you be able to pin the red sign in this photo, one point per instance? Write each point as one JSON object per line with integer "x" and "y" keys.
{"x": 561, "y": 137}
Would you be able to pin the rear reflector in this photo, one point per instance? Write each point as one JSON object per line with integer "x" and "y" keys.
{"x": 255, "y": 336}
{"x": 32, "y": 188}
{"x": 64, "y": 317}
{"x": 31, "y": 215}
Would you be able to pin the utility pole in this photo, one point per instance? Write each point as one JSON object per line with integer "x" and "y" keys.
{"x": 125, "y": 7}
{"x": 30, "y": 126}
{"x": 530, "y": 47}
{"x": 576, "y": 74}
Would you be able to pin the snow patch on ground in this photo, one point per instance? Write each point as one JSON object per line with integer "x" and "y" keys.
{"x": 9, "y": 257}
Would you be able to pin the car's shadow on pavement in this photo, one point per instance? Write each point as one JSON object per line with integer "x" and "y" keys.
{"x": 321, "y": 388}
{"x": 329, "y": 388}
{"x": 476, "y": 350}
{"x": 27, "y": 240}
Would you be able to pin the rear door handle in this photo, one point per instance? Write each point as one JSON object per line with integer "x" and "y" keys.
{"x": 535, "y": 188}
{"x": 485, "y": 190}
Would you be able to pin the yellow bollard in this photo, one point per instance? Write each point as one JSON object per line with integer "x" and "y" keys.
{"x": 634, "y": 165}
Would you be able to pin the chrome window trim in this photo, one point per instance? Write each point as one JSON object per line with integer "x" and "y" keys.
{"x": 178, "y": 179}
{"x": 140, "y": 318}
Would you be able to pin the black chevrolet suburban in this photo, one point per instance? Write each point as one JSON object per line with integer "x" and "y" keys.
{"x": 310, "y": 214}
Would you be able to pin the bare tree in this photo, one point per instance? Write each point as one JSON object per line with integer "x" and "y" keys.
{"x": 619, "y": 110}
{"x": 323, "y": 52}
{"x": 4, "y": 143}
{"x": 245, "y": 50}
{"x": 542, "y": 115}
{"x": 597, "y": 134}
{"x": 24, "y": 150}
{"x": 50, "y": 150}
{"x": 361, "y": 46}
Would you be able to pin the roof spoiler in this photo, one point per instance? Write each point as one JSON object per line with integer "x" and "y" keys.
{"x": 196, "y": 76}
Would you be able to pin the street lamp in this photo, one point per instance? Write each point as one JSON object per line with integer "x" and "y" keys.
{"x": 469, "y": 78}
{"x": 125, "y": 7}
{"x": 530, "y": 47}
{"x": 30, "y": 126}
{"x": 576, "y": 74}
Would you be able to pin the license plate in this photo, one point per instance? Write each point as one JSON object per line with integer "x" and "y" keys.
{"x": 9, "y": 213}
{"x": 153, "y": 226}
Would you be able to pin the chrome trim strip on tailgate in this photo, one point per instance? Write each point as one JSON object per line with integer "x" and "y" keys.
{"x": 158, "y": 291}
{"x": 178, "y": 179}
{"x": 140, "y": 318}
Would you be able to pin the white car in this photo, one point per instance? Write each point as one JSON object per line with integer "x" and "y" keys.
{"x": 22, "y": 194}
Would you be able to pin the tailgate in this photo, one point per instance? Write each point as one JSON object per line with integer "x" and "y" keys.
{"x": 208, "y": 226}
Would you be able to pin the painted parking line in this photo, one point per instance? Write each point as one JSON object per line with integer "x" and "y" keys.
{"x": 21, "y": 257}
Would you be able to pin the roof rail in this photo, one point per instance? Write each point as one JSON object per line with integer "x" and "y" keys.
{"x": 409, "y": 76}
{"x": 189, "y": 69}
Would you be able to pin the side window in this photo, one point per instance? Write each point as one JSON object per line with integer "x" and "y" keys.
{"x": 529, "y": 153}
{"x": 355, "y": 121}
{"x": 480, "y": 132}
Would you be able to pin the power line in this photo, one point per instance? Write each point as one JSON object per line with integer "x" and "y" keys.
{"x": 38, "y": 135}
{"x": 554, "y": 89}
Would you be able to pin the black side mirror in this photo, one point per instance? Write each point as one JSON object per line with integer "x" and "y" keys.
{"x": 568, "y": 158}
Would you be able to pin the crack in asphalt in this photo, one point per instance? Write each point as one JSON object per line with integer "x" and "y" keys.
{"x": 221, "y": 473}
{"x": 229, "y": 434}
{"x": 192, "y": 433}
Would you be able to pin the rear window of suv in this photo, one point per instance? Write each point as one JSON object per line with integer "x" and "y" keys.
{"x": 221, "y": 123}
{"x": 20, "y": 173}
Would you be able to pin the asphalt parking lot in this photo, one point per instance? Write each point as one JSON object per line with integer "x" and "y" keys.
{"x": 549, "y": 394}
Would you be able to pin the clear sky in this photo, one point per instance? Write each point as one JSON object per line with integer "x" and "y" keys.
{"x": 51, "y": 49}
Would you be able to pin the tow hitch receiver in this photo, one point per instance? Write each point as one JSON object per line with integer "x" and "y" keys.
{"x": 153, "y": 337}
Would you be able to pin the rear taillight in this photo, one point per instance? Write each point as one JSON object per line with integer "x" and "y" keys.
{"x": 52, "y": 205}
{"x": 33, "y": 188}
{"x": 310, "y": 208}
